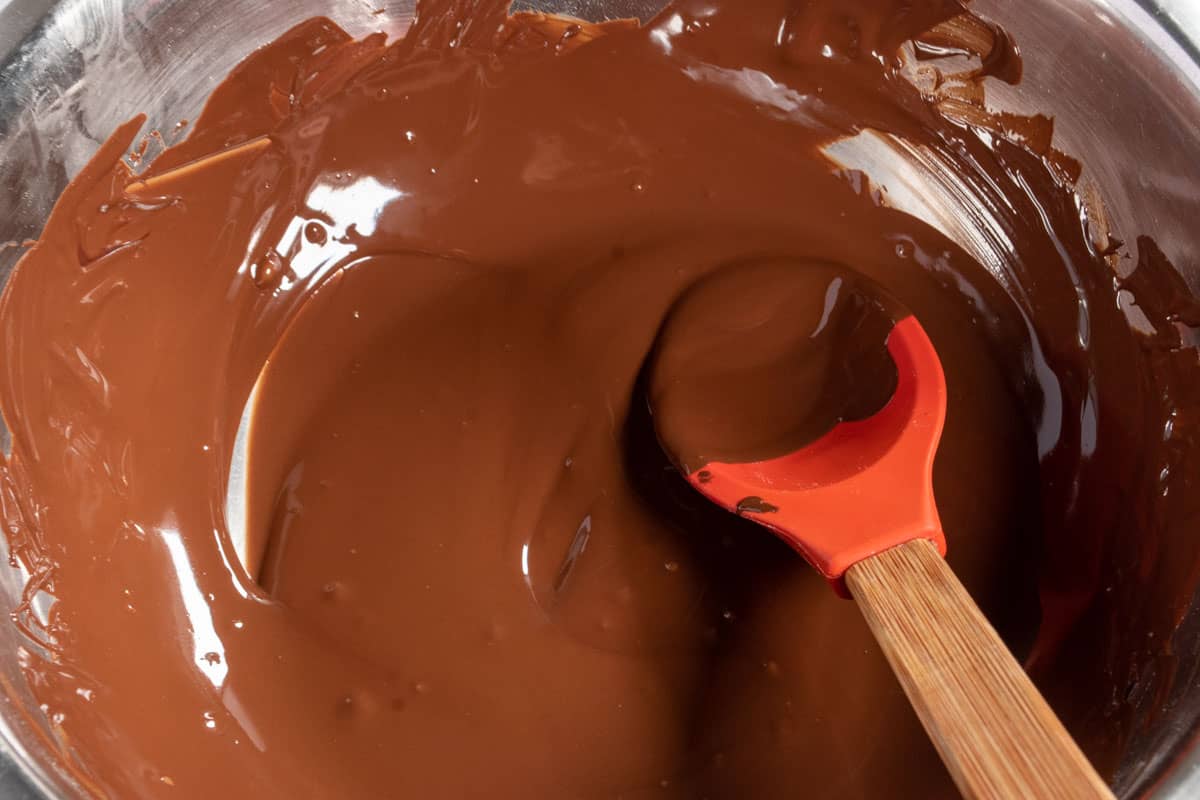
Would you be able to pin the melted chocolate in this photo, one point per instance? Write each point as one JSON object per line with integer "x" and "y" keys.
{"x": 472, "y": 571}
{"x": 758, "y": 360}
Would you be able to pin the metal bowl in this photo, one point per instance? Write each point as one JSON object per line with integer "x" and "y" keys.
{"x": 1120, "y": 77}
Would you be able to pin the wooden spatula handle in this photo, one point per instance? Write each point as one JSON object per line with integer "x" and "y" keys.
{"x": 995, "y": 732}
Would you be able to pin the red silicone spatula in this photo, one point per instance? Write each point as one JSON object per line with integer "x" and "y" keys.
{"x": 858, "y": 505}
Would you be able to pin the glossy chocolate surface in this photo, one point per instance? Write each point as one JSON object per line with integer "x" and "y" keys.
{"x": 473, "y": 572}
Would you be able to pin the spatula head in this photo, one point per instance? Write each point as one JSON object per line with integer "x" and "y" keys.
{"x": 860, "y": 489}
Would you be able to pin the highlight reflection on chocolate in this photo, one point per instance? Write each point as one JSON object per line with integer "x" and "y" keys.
{"x": 480, "y": 577}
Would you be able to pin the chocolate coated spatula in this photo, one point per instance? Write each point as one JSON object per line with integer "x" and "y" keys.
{"x": 858, "y": 505}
